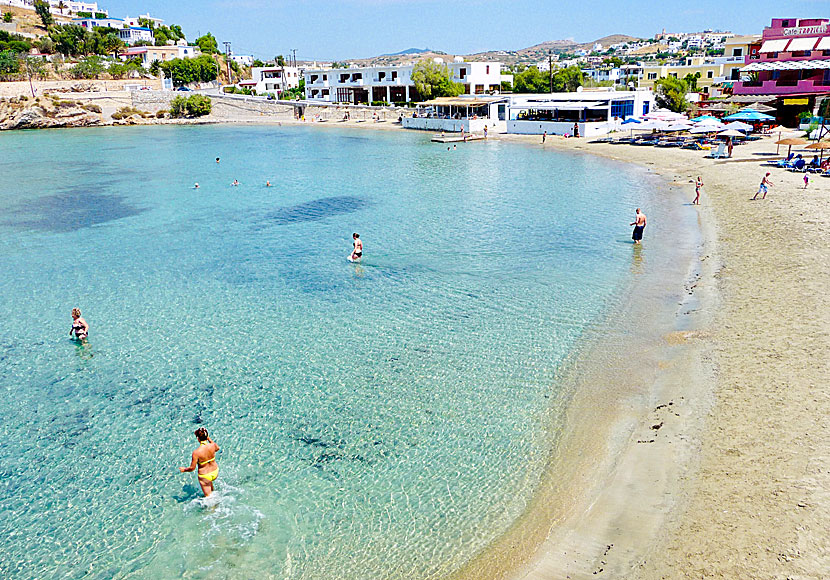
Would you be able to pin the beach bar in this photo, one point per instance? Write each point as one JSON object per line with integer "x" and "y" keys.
{"x": 592, "y": 112}
{"x": 456, "y": 114}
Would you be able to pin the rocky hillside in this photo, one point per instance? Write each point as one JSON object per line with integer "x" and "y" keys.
{"x": 46, "y": 113}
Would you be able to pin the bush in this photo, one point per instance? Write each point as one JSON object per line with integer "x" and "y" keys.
{"x": 7, "y": 16}
{"x": 92, "y": 108}
{"x": 178, "y": 107}
{"x": 380, "y": 104}
{"x": 88, "y": 68}
{"x": 125, "y": 112}
{"x": 160, "y": 114}
{"x": 199, "y": 106}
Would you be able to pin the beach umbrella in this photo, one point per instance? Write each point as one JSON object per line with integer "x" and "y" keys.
{"x": 821, "y": 146}
{"x": 678, "y": 127}
{"x": 704, "y": 118}
{"x": 651, "y": 125}
{"x": 706, "y": 128}
{"x": 789, "y": 142}
{"x": 730, "y": 133}
{"x": 738, "y": 126}
{"x": 749, "y": 115}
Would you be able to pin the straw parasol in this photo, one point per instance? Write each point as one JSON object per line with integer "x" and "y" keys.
{"x": 789, "y": 142}
{"x": 730, "y": 133}
{"x": 821, "y": 146}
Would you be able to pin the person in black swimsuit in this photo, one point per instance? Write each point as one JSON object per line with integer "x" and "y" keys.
{"x": 357, "y": 253}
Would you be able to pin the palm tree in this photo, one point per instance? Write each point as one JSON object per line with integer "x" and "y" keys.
{"x": 61, "y": 6}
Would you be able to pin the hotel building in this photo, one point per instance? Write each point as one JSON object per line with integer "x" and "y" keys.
{"x": 393, "y": 84}
{"x": 272, "y": 79}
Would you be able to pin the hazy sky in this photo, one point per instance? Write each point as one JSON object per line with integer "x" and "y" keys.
{"x": 342, "y": 29}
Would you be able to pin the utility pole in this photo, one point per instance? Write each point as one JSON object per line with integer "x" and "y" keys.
{"x": 550, "y": 69}
{"x": 294, "y": 51}
{"x": 228, "y": 60}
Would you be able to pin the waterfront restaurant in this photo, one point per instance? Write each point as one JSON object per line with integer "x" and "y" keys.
{"x": 593, "y": 112}
{"x": 792, "y": 65}
{"x": 468, "y": 113}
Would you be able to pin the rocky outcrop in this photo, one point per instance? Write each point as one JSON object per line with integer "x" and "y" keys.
{"x": 45, "y": 113}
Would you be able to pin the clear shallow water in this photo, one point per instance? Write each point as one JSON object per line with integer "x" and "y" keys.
{"x": 376, "y": 421}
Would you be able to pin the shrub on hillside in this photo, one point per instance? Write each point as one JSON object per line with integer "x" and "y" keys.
{"x": 193, "y": 106}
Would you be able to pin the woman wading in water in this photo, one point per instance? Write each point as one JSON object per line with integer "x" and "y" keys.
{"x": 79, "y": 326}
{"x": 205, "y": 459}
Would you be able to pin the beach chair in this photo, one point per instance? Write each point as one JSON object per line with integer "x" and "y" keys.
{"x": 719, "y": 153}
{"x": 798, "y": 166}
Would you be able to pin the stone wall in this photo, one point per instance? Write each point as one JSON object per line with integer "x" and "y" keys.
{"x": 21, "y": 88}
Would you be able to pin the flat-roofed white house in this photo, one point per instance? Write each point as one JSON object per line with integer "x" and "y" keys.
{"x": 393, "y": 84}
{"x": 594, "y": 112}
{"x": 133, "y": 34}
{"x": 465, "y": 113}
{"x": 149, "y": 54}
{"x": 272, "y": 79}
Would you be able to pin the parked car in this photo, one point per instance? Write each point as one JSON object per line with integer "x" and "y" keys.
{"x": 183, "y": 89}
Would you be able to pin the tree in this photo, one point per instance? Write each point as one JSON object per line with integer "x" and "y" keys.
{"x": 567, "y": 79}
{"x": 257, "y": 63}
{"x": 178, "y": 107}
{"x": 71, "y": 39}
{"x": 198, "y": 105}
{"x": 670, "y": 93}
{"x": 207, "y": 44}
{"x": 531, "y": 80}
{"x": 7, "y": 16}
{"x": 155, "y": 68}
{"x": 433, "y": 80}
{"x": 61, "y": 6}
{"x": 160, "y": 37}
{"x": 88, "y": 68}
{"x": 691, "y": 81}
{"x": 43, "y": 10}
{"x": 9, "y": 63}
{"x": 109, "y": 43}
{"x": 280, "y": 60}
{"x": 184, "y": 71}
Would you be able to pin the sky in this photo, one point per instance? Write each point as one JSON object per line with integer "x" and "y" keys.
{"x": 344, "y": 29}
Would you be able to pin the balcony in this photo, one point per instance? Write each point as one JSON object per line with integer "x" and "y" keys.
{"x": 781, "y": 87}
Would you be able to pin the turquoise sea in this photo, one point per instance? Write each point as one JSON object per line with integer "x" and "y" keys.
{"x": 385, "y": 420}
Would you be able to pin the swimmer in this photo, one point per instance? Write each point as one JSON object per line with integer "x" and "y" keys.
{"x": 205, "y": 459}
{"x": 79, "y": 326}
{"x": 235, "y": 183}
{"x": 217, "y": 160}
{"x": 196, "y": 186}
{"x": 267, "y": 184}
{"x": 357, "y": 253}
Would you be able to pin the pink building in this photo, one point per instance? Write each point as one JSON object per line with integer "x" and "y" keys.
{"x": 793, "y": 62}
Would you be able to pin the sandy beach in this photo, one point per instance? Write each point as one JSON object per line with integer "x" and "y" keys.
{"x": 734, "y": 482}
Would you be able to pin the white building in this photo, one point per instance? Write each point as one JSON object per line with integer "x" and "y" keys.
{"x": 243, "y": 59}
{"x": 133, "y": 34}
{"x": 593, "y": 112}
{"x": 65, "y": 7}
{"x": 604, "y": 75}
{"x": 150, "y": 54}
{"x": 393, "y": 84}
{"x": 136, "y": 21}
{"x": 114, "y": 23}
{"x": 272, "y": 79}
{"x": 467, "y": 113}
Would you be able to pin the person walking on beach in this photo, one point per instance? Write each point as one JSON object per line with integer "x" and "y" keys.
{"x": 806, "y": 180}
{"x": 765, "y": 184}
{"x": 639, "y": 224}
{"x": 357, "y": 252}
{"x": 698, "y": 185}
{"x": 485, "y": 131}
{"x": 204, "y": 458}
{"x": 79, "y": 326}
{"x": 544, "y": 137}
{"x": 576, "y": 130}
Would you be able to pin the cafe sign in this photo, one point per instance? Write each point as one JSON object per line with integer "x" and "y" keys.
{"x": 820, "y": 29}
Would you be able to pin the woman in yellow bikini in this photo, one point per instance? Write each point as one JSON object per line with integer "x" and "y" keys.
{"x": 205, "y": 458}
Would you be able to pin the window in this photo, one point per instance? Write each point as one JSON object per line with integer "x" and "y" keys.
{"x": 737, "y": 52}
{"x": 652, "y": 76}
{"x": 462, "y": 73}
{"x": 622, "y": 109}
{"x": 325, "y": 77}
{"x": 710, "y": 74}
{"x": 488, "y": 70}
{"x": 673, "y": 75}
{"x": 394, "y": 75}
{"x": 646, "y": 107}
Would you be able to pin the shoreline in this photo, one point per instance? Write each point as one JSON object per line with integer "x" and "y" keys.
{"x": 748, "y": 449}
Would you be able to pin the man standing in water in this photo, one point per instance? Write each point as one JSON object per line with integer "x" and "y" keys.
{"x": 639, "y": 224}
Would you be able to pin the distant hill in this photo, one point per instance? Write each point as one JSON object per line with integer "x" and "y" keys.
{"x": 408, "y": 51}
{"x": 531, "y": 54}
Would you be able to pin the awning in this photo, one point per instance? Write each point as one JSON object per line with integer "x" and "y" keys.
{"x": 824, "y": 43}
{"x": 802, "y": 44}
{"x": 563, "y": 106}
{"x": 787, "y": 65}
{"x": 460, "y": 102}
{"x": 774, "y": 45}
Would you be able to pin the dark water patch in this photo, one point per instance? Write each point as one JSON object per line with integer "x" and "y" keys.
{"x": 70, "y": 211}
{"x": 318, "y": 209}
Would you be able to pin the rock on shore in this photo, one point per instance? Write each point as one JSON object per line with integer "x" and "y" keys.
{"x": 45, "y": 113}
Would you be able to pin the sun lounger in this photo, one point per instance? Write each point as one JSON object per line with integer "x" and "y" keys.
{"x": 719, "y": 153}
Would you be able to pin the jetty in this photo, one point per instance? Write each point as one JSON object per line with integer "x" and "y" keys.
{"x": 456, "y": 138}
